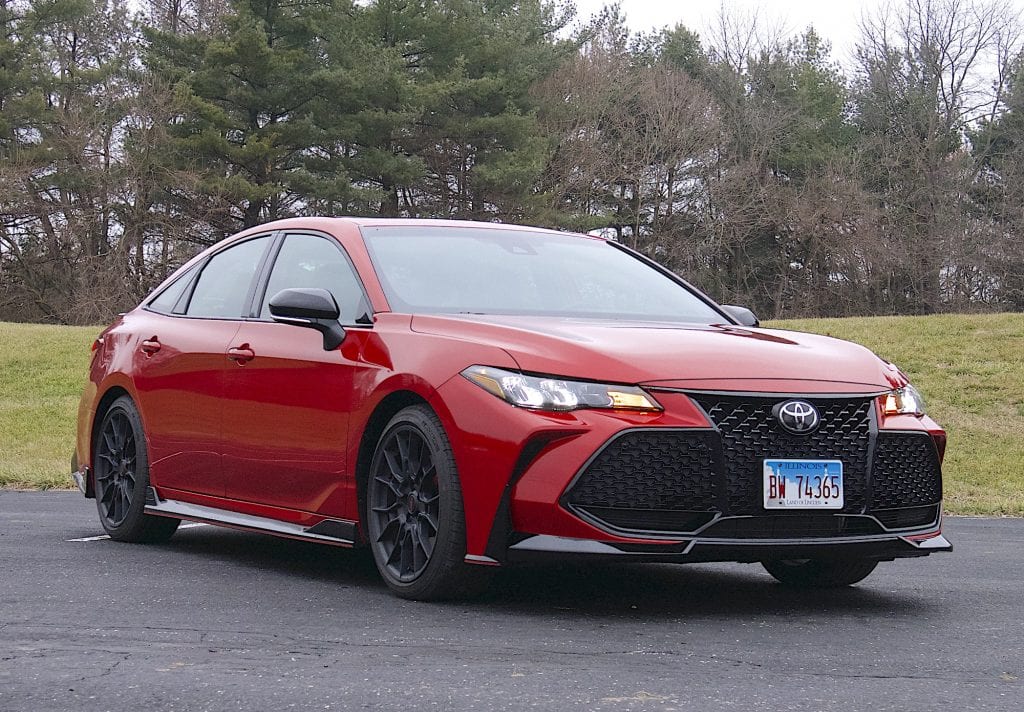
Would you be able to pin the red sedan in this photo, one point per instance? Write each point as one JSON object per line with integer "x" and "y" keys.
{"x": 459, "y": 396}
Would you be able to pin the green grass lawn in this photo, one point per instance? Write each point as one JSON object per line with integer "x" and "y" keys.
{"x": 970, "y": 369}
{"x": 42, "y": 371}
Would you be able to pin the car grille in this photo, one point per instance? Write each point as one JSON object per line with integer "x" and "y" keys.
{"x": 677, "y": 481}
{"x": 908, "y": 517}
{"x": 750, "y": 434}
{"x": 650, "y": 479}
{"x": 792, "y": 526}
{"x": 657, "y": 520}
{"x": 905, "y": 471}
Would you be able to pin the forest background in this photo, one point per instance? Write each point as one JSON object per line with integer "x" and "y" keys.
{"x": 744, "y": 158}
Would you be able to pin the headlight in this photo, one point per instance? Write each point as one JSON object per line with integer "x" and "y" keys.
{"x": 903, "y": 401}
{"x": 552, "y": 393}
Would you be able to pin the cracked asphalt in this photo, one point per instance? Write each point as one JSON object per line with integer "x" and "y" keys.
{"x": 222, "y": 620}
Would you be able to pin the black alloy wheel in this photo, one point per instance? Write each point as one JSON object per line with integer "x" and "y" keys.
{"x": 121, "y": 472}
{"x": 406, "y": 503}
{"x": 415, "y": 521}
{"x": 116, "y": 460}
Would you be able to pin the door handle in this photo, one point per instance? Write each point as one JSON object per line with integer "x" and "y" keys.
{"x": 241, "y": 354}
{"x": 150, "y": 346}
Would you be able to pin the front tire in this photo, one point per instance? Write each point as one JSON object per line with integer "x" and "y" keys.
{"x": 414, "y": 514}
{"x": 820, "y": 573}
{"x": 121, "y": 471}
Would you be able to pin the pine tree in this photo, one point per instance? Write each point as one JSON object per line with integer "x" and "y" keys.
{"x": 64, "y": 92}
{"x": 475, "y": 148}
{"x": 253, "y": 93}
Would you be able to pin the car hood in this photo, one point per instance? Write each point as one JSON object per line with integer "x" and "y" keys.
{"x": 715, "y": 357}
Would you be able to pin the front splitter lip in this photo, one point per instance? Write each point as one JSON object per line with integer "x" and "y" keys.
{"x": 719, "y": 549}
{"x": 886, "y": 533}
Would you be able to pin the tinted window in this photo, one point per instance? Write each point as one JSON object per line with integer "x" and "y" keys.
{"x": 311, "y": 261}
{"x": 165, "y": 301}
{"x": 496, "y": 271}
{"x": 224, "y": 283}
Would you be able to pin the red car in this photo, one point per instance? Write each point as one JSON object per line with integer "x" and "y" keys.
{"x": 458, "y": 396}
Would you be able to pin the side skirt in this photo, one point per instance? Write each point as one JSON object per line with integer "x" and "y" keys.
{"x": 337, "y": 532}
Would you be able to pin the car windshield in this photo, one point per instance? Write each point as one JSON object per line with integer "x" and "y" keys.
{"x": 473, "y": 270}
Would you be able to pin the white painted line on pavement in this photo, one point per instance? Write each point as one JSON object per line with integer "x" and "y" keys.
{"x": 91, "y": 538}
{"x": 184, "y": 525}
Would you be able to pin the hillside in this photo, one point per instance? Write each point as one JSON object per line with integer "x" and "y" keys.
{"x": 970, "y": 369}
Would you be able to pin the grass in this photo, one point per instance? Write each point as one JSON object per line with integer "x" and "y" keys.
{"x": 42, "y": 371}
{"x": 970, "y": 369}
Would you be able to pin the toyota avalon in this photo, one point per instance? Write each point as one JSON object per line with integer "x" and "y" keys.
{"x": 460, "y": 396}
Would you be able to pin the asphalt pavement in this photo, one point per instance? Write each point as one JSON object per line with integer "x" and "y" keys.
{"x": 224, "y": 620}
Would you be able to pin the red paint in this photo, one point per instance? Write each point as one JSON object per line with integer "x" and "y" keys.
{"x": 279, "y": 434}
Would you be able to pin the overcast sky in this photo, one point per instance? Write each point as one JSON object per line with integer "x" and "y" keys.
{"x": 836, "y": 20}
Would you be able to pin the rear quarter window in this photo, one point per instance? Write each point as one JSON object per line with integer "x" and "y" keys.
{"x": 165, "y": 301}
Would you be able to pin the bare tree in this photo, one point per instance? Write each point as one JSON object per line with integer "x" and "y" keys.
{"x": 630, "y": 140}
{"x": 925, "y": 73}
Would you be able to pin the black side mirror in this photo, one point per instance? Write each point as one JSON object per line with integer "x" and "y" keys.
{"x": 741, "y": 314}
{"x": 312, "y": 308}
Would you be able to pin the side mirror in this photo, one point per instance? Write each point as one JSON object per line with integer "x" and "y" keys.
{"x": 312, "y": 308}
{"x": 741, "y": 314}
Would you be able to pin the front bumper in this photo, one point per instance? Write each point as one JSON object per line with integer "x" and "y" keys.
{"x": 685, "y": 484}
{"x": 697, "y": 549}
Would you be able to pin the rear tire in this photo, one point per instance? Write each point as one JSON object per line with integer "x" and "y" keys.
{"x": 416, "y": 525}
{"x": 819, "y": 573}
{"x": 121, "y": 472}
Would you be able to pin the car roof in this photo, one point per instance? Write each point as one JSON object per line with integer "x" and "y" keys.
{"x": 325, "y": 223}
{"x": 432, "y": 222}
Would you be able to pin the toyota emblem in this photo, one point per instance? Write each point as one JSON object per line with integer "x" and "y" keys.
{"x": 797, "y": 416}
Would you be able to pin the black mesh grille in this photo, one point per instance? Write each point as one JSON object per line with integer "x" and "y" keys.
{"x": 679, "y": 480}
{"x": 905, "y": 471}
{"x": 650, "y": 470}
{"x": 792, "y": 526}
{"x": 750, "y": 433}
{"x": 908, "y": 518}
{"x": 650, "y": 520}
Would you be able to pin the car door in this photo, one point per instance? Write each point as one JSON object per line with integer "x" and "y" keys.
{"x": 179, "y": 376}
{"x": 288, "y": 399}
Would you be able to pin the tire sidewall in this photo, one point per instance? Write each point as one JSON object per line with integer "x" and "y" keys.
{"x": 130, "y": 527}
{"x": 450, "y": 544}
{"x": 820, "y": 573}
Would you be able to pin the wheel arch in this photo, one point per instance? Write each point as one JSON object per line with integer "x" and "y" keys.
{"x": 106, "y": 400}
{"x": 375, "y": 425}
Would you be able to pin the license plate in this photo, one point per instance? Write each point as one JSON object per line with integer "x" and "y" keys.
{"x": 803, "y": 484}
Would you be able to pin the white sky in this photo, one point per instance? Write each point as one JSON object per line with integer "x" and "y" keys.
{"x": 835, "y": 20}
